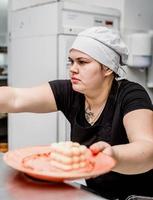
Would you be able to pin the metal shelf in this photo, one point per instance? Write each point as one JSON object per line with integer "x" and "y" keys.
{"x": 3, "y": 77}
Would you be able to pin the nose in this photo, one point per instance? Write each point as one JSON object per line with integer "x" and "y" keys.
{"x": 74, "y": 68}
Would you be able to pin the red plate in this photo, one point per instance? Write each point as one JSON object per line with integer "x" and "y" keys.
{"x": 103, "y": 164}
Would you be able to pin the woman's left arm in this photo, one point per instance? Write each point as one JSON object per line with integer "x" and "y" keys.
{"x": 137, "y": 156}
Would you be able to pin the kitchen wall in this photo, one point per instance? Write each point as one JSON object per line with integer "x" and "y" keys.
{"x": 3, "y": 22}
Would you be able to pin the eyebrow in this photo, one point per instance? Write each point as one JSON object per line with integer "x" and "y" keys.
{"x": 79, "y": 58}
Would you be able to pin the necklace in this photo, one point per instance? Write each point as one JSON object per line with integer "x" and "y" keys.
{"x": 90, "y": 116}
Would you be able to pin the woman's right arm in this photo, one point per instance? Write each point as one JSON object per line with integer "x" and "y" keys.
{"x": 39, "y": 99}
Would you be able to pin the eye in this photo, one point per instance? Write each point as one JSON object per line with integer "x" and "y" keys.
{"x": 69, "y": 61}
{"x": 82, "y": 62}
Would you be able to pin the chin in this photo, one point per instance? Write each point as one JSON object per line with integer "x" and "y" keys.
{"x": 77, "y": 89}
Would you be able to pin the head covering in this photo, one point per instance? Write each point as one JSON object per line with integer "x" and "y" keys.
{"x": 104, "y": 45}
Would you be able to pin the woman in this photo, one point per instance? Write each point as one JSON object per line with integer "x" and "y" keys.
{"x": 106, "y": 112}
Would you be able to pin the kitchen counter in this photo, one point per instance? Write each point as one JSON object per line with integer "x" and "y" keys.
{"x": 15, "y": 185}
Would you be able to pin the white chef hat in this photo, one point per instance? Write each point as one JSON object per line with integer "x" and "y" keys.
{"x": 104, "y": 45}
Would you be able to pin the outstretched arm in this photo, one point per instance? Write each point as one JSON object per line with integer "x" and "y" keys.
{"x": 137, "y": 156}
{"x": 38, "y": 99}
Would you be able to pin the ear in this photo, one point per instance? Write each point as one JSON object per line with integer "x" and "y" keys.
{"x": 108, "y": 72}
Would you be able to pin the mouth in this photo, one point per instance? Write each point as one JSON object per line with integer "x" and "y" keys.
{"x": 74, "y": 80}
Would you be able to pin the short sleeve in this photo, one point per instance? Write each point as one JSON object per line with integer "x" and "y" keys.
{"x": 62, "y": 91}
{"x": 134, "y": 97}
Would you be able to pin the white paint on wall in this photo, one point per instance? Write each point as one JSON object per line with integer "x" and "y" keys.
{"x": 3, "y": 22}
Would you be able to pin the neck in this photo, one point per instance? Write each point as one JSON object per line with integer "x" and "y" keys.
{"x": 99, "y": 97}
{"x": 95, "y": 104}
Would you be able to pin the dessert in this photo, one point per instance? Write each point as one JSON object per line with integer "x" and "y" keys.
{"x": 63, "y": 156}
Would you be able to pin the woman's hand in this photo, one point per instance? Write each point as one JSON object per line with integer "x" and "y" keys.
{"x": 102, "y": 147}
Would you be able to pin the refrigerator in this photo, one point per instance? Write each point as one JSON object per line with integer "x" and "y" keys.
{"x": 40, "y": 36}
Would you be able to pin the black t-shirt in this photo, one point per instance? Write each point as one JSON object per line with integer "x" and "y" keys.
{"x": 125, "y": 96}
